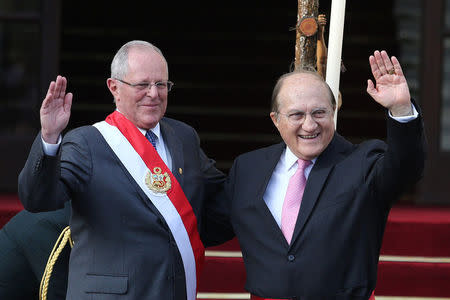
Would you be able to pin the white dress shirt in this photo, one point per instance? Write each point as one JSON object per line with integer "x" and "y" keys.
{"x": 285, "y": 169}
{"x": 278, "y": 184}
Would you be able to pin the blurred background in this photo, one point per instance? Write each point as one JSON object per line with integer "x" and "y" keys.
{"x": 224, "y": 58}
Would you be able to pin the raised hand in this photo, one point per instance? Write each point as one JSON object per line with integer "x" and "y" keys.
{"x": 390, "y": 89}
{"x": 55, "y": 110}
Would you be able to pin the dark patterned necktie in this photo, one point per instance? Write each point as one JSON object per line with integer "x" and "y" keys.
{"x": 151, "y": 137}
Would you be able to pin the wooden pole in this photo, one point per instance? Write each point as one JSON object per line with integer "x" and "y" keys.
{"x": 306, "y": 38}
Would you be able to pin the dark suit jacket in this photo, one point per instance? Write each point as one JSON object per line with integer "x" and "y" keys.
{"x": 336, "y": 242}
{"x": 26, "y": 242}
{"x": 123, "y": 247}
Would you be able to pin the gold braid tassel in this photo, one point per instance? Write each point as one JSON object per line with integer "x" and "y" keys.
{"x": 63, "y": 238}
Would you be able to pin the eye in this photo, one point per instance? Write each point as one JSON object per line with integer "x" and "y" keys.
{"x": 161, "y": 84}
{"x": 296, "y": 116}
{"x": 142, "y": 86}
{"x": 320, "y": 113}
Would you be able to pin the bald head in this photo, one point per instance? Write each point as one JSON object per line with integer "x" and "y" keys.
{"x": 302, "y": 77}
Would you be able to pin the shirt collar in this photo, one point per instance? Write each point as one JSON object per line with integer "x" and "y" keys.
{"x": 290, "y": 159}
{"x": 156, "y": 130}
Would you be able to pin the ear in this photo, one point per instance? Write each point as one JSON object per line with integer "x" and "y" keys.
{"x": 112, "y": 86}
{"x": 274, "y": 118}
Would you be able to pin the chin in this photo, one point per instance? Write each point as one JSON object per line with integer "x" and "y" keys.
{"x": 311, "y": 154}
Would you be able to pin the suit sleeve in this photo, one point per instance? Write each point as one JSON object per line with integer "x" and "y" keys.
{"x": 216, "y": 228}
{"x": 47, "y": 182}
{"x": 402, "y": 164}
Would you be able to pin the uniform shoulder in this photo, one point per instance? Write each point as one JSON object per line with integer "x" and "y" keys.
{"x": 25, "y": 226}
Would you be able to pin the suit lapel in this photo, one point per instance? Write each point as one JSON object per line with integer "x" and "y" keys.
{"x": 317, "y": 178}
{"x": 175, "y": 147}
{"x": 266, "y": 169}
{"x": 271, "y": 160}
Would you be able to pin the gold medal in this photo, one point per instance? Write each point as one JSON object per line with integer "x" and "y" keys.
{"x": 157, "y": 182}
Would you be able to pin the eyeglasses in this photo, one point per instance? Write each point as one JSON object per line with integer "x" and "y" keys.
{"x": 299, "y": 117}
{"x": 160, "y": 85}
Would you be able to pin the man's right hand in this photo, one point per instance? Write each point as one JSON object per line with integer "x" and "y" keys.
{"x": 55, "y": 110}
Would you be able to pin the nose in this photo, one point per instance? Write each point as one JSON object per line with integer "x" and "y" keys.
{"x": 309, "y": 124}
{"x": 152, "y": 91}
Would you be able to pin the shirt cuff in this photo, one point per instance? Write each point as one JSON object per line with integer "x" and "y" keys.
{"x": 406, "y": 119}
{"x": 51, "y": 149}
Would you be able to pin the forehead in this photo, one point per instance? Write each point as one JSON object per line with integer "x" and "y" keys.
{"x": 303, "y": 91}
{"x": 146, "y": 62}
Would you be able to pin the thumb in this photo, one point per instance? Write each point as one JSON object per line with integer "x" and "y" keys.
{"x": 371, "y": 90}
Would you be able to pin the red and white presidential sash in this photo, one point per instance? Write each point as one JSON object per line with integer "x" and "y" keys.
{"x": 156, "y": 180}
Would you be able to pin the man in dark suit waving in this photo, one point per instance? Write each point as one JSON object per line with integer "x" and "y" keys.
{"x": 310, "y": 212}
{"x": 138, "y": 183}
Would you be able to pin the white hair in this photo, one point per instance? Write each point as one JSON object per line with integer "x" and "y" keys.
{"x": 119, "y": 64}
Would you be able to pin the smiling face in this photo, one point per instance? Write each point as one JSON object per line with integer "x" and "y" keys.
{"x": 144, "y": 108}
{"x": 303, "y": 92}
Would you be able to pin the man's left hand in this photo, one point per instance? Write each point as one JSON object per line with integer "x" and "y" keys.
{"x": 390, "y": 89}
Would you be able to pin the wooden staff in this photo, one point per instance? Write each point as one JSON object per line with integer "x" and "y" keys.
{"x": 306, "y": 38}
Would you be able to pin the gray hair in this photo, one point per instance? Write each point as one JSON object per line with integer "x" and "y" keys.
{"x": 277, "y": 88}
{"x": 119, "y": 64}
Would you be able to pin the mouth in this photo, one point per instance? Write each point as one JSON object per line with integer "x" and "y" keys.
{"x": 308, "y": 137}
{"x": 150, "y": 105}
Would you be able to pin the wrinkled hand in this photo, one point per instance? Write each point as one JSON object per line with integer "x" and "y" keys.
{"x": 391, "y": 89}
{"x": 55, "y": 110}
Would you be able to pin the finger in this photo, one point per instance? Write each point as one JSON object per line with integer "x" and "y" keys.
{"x": 59, "y": 83}
{"x": 374, "y": 67}
{"x": 396, "y": 65}
{"x": 49, "y": 96}
{"x": 68, "y": 102}
{"x": 62, "y": 92}
{"x": 387, "y": 62}
{"x": 51, "y": 89}
{"x": 380, "y": 62}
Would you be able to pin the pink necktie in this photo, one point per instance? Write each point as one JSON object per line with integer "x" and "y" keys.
{"x": 293, "y": 199}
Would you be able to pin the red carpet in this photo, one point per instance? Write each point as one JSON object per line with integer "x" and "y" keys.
{"x": 414, "y": 262}
{"x": 417, "y": 231}
{"x": 9, "y": 206}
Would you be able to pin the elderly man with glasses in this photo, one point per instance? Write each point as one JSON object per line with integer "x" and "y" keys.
{"x": 138, "y": 181}
{"x": 310, "y": 212}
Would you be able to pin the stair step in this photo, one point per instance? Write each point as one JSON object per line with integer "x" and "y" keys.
{"x": 222, "y": 275}
{"x": 416, "y": 279}
{"x": 417, "y": 231}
